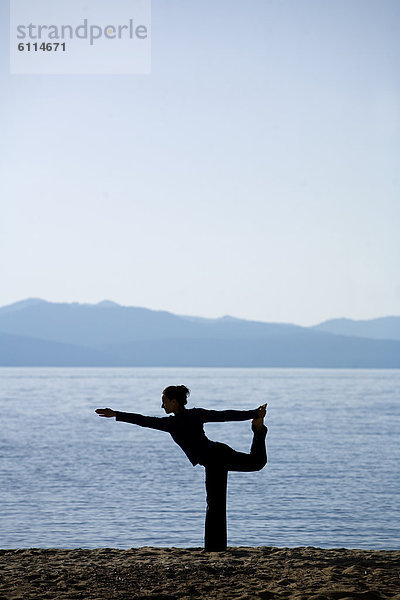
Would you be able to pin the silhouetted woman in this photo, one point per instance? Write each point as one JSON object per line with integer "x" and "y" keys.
{"x": 186, "y": 429}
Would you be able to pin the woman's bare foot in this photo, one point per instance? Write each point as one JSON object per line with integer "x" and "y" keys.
{"x": 258, "y": 423}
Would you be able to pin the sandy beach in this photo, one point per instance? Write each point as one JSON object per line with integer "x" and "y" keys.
{"x": 170, "y": 574}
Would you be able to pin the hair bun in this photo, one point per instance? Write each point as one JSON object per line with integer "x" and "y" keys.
{"x": 184, "y": 389}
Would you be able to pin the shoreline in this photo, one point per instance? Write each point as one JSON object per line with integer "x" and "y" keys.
{"x": 242, "y": 573}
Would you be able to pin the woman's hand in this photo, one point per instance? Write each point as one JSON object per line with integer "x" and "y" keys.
{"x": 262, "y": 410}
{"x": 106, "y": 412}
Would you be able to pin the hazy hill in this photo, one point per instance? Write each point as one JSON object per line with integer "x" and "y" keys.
{"x": 109, "y": 323}
{"x": 295, "y": 350}
{"x": 385, "y": 328}
{"x": 34, "y": 332}
{"x": 16, "y": 350}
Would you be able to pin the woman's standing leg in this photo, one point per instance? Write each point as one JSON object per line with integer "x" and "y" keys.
{"x": 226, "y": 459}
{"x": 215, "y": 528}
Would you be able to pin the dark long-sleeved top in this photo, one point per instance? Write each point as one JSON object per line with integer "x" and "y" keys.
{"x": 187, "y": 429}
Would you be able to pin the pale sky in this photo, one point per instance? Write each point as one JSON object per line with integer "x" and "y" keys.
{"x": 255, "y": 172}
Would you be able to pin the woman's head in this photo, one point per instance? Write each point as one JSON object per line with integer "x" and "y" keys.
{"x": 174, "y": 397}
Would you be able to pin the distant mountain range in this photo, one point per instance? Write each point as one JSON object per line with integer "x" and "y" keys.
{"x": 38, "y": 333}
{"x": 385, "y": 328}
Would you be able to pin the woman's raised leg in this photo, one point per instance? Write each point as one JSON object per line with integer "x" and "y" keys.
{"x": 256, "y": 459}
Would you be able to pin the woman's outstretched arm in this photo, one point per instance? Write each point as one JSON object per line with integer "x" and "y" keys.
{"x": 218, "y": 416}
{"x": 160, "y": 423}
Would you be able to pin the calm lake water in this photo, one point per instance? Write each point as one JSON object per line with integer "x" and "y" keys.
{"x": 70, "y": 479}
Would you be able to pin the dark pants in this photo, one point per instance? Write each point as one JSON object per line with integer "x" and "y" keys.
{"x": 221, "y": 460}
